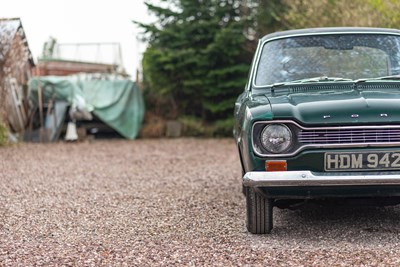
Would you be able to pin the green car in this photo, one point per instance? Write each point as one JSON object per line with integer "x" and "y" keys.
{"x": 319, "y": 119}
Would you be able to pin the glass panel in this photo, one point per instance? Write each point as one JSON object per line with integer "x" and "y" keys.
{"x": 354, "y": 56}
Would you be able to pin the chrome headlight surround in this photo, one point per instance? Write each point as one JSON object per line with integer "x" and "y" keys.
{"x": 256, "y": 136}
{"x": 276, "y": 138}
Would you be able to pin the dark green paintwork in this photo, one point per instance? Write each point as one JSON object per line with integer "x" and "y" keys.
{"x": 308, "y": 107}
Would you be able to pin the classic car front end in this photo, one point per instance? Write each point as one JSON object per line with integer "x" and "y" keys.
{"x": 320, "y": 118}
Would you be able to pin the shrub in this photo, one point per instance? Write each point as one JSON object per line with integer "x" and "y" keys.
{"x": 192, "y": 126}
{"x": 223, "y": 128}
{"x": 3, "y": 134}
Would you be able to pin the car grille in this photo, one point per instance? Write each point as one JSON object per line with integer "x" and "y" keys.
{"x": 349, "y": 136}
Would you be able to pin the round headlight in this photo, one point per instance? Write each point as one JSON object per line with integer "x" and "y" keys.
{"x": 276, "y": 138}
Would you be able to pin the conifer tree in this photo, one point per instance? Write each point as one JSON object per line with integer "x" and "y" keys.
{"x": 196, "y": 57}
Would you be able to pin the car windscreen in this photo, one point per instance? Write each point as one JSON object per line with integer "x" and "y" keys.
{"x": 350, "y": 56}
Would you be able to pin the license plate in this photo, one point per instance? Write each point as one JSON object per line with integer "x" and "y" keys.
{"x": 362, "y": 161}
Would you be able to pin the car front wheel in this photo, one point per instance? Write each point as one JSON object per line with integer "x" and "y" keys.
{"x": 259, "y": 212}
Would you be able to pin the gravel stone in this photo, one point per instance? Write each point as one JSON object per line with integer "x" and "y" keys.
{"x": 175, "y": 202}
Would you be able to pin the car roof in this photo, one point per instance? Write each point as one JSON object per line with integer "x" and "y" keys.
{"x": 328, "y": 30}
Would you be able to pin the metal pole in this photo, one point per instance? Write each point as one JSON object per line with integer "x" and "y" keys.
{"x": 40, "y": 102}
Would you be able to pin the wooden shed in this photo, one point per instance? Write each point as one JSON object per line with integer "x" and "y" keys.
{"x": 16, "y": 64}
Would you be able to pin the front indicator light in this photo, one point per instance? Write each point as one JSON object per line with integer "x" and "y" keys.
{"x": 276, "y": 165}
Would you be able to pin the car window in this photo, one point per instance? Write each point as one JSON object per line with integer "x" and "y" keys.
{"x": 344, "y": 56}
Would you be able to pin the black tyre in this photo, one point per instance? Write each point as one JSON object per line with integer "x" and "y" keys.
{"x": 259, "y": 212}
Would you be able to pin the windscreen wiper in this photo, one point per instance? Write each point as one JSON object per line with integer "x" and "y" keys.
{"x": 309, "y": 80}
{"x": 321, "y": 79}
{"x": 391, "y": 77}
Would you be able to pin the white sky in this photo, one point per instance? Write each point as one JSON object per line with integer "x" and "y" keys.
{"x": 80, "y": 21}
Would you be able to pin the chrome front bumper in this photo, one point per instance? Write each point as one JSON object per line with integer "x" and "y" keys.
{"x": 307, "y": 178}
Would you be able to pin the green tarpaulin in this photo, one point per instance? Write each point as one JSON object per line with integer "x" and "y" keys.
{"x": 118, "y": 103}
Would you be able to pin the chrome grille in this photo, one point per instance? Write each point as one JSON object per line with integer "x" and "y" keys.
{"x": 349, "y": 136}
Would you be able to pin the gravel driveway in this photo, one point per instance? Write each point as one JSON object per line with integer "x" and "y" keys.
{"x": 166, "y": 202}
